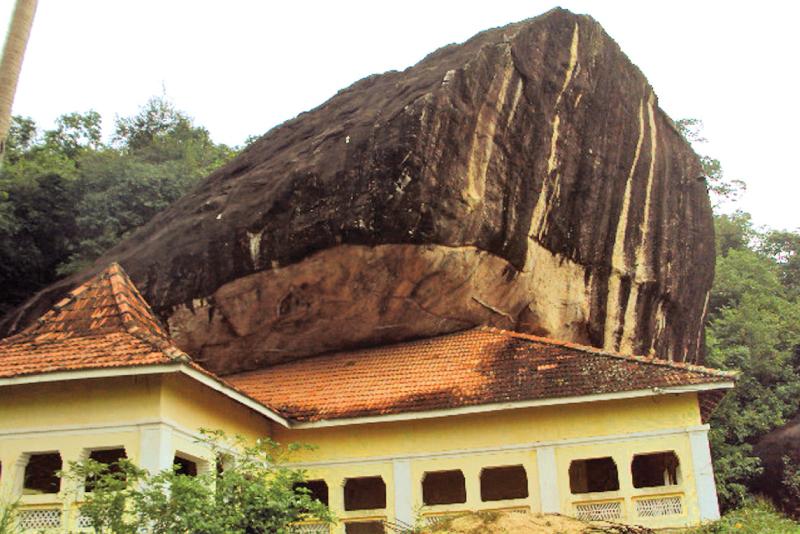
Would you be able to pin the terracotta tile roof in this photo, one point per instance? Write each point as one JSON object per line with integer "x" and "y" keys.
{"x": 469, "y": 368}
{"x": 103, "y": 323}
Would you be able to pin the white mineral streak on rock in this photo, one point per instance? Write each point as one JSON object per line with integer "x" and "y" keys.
{"x": 619, "y": 262}
{"x": 643, "y": 268}
{"x": 254, "y": 240}
{"x": 702, "y": 322}
{"x": 514, "y": 102}
{"x": 661, "y": 324}
{"x": 546, "y": 198}
{"x": 483, "y": 136}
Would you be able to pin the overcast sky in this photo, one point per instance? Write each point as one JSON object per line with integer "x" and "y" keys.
{"x": 240, "y": 67}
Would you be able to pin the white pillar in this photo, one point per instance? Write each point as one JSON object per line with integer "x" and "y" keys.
{"x": 704, "y": 475}
{"x": 548, "y": 480}
{"x": 18, "y": 474}
{"x": 403, "y": 505}
{"x": 156, "y": 452}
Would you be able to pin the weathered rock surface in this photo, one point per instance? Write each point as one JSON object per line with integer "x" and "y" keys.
{"x": 772, "y": 448}
{"x": 526, "y": 179}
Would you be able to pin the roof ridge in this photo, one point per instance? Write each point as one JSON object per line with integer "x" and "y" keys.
{"x": 652, "y": 360}
{"x": 128, "y": 313}
{"x": 156, "y": 337}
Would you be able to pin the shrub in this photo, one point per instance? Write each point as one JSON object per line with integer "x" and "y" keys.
{"x": 757, "y": 516}
{"x": 255, "y": 494}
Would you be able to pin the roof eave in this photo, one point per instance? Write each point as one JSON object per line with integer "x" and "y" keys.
{"x": 497, "y": 407}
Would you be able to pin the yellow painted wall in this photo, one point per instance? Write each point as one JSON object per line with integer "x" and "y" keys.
{"x": 79, "y": 402}
{"x": 466, "y": 442}
{"x": 473, "y": 442}
{"x": 622, "y": 452}
{"x": 193, "y": 406}
{"x": 73, "y": 417}
{"x": 496, "y": 429}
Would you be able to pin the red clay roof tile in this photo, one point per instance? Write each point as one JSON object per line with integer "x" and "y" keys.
{"x": 469, "y": 368}
{"x": 103, "y": 323}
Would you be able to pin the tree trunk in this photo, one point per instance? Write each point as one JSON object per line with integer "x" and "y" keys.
{"x": 18, "y": 32}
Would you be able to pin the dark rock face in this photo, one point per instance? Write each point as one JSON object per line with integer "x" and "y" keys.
{"x": 782, "y": 442}
{"x": 525, "y": 179}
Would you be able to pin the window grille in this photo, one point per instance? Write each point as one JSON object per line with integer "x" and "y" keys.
{"x": 659, "y": 506}
{"x": 523, "y": 510}
{"x": 599, "y": 511}
{"x": 84, "y": 522}
{"x": 434, "y": 519}
{"x": 365, "y": 526}
{"x": 40, "y": 519}
{"x": 311, "y": 528}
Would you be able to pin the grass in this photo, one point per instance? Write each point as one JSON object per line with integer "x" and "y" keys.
{"x": 756, "y": 517}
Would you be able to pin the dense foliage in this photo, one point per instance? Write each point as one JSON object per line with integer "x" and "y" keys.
{"x": 753, "y": 517}
{"x": 66, "y": 196}
{"x": 753, "y": 327}
{"x": 256, "y": 493}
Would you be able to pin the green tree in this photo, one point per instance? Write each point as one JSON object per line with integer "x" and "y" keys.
{"x": 721, "y": 188}
{"x": 156, "y": 156}
{"x": 257, "y": 493}
{"x": 66, "y": 197}
{"x": 754, "y": 328}
{"x": 75, "y": 133}
{"x": 40, "y": 237}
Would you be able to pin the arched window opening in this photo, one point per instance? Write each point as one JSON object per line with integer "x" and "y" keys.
{"x": 364, "y": 493}
{"x": 593, "y": 475}
{"x": 656, "y": 469}
{"x": 40, "y": 474}
{"x": 185, "y": 466}
{"x": 108, "y": 457}
{"x": 317, "y": 489}
{"x": 444, "y": 487}
{"x": 502, "y": 483}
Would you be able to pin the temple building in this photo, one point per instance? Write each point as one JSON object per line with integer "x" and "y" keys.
{"x": 482, "y": 419}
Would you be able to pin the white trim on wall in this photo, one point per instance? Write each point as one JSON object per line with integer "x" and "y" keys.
{"x": 81, "y": 430}
{"x": 107, "y": 372}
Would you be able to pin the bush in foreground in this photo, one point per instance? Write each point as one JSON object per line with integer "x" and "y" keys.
{"x": 256, "y": 493}
{"x": 755, "y": 517}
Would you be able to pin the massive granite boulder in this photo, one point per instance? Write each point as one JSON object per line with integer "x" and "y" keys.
{"x": 526, "y": 179}
{"x": 773, "y": 449}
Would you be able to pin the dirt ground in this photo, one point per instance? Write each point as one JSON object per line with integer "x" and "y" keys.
{"x": 522, "y": 523}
